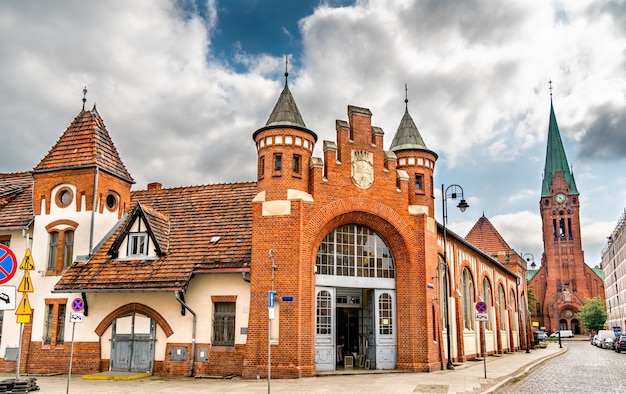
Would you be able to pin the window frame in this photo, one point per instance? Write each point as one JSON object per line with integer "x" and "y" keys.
{"x": 131, "y": 250}
{"x": 224, "y": 319}
{"x": 54, "y": 322}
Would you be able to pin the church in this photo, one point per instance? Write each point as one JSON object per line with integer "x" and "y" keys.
{"x": 320, "y": 264}
{"x": 564, "y": 281}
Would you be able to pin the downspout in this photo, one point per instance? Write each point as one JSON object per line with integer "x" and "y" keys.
{"x": 93, "y": 210}
{"x": 193, "y": 334}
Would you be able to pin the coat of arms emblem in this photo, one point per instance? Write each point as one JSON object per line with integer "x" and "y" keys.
{"x": 362, "y": 168}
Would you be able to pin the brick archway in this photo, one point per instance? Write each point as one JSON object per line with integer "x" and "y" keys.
{"x": 134, "y": 307}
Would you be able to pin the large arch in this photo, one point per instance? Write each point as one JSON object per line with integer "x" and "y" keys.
{"x": 134, "y": 307}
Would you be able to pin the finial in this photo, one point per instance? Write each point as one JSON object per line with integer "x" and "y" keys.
{"x": 550, "y": 82}
{"x": 84, "y": 97}
{"x": 406, "y": 97}
{"x": 286, "y": 64}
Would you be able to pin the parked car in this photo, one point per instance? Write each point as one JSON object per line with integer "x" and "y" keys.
{"x": 602, "y": 335}
{"x": 542, "y": 336}
{"x": 564, "y": 334}
{"x": 594, "y": 340}
{"x": 620, "y": 343}
{"x": 607, "y": 343}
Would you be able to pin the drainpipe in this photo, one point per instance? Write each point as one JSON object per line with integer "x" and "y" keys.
{"x": 193, "y": 335}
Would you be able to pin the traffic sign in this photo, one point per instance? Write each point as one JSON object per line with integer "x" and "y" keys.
{"x": 24, "y": 307}
{"x": 27, "y": 261}
{"x": 482, "y": 317}
{"x": 7, "y": 298}
{"x": 78, "y": 304}
{"x": 76, "y": 317}
{"x": 8, "y": 264}
{"x": 26, "y": 286}
{"x": 481, "y": 307}
{"x": 23, "y": 319}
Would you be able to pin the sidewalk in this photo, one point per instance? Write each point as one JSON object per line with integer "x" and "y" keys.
{"x": 468, "y": 377}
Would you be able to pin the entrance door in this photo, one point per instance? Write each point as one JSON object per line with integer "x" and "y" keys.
{"x": 325, "y": 350}
{"x": 382, "y": 335}
{"x": 132, "y": 344}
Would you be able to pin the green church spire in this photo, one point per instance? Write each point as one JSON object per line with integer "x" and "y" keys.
{"x": 555, "y": 158}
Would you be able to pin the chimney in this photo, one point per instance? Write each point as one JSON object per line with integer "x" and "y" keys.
{"x": 155, "y": 186}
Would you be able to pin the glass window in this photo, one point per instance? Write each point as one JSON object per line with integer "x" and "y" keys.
{"x": 47, "y": 336}
{"x": 68, "y": 251}
{"x": 419, "y": 181}
{"x": 468, "y": 299}
{"x": 5, "y": 240}
{"x": 137, "y": 244}
{"x": 261, "y": 166}
{"x": 385, "y": 310}
{"x": 296, "y": 163}
{"x": 53, "y": 250}
{"x": 487, "y": 300}
{"x": 324, "y": 315}
{"x": 278, "y": 162}
{"x": 60, "y": 323}
{"x": 502, "y": 307}
{"x": 354, "y": 250}
{"x": 54, "y": 322}
{"x": 224, "y": 324}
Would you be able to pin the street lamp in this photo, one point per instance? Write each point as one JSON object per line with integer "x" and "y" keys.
{"x": 529, "y": 259}
{"x": 463, "y": 205}
{"x": 558, "y": 322}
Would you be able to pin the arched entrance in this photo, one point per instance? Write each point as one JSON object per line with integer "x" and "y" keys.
{"x": 575, "y": 326}
{"x": 355, "y": 301}
{"x": 132, "y": 343}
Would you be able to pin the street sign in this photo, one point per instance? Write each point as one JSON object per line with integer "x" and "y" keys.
{"x": 8, "y": 264}
{"x": 24, "y": 307}
{"x": 7, "y": 298}
{"x": 482, "y": 317}
{"x": 26, "y": 286}
{"x": 481, "y": 307}
{"x": 78, "y": 304}
{"x": 76, "y": 317}
{"x": 27, "y": 261}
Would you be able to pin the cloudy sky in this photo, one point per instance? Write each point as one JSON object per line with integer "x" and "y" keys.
{"x": 182, "y": 85}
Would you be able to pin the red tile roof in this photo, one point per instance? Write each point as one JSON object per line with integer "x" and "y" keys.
{"x": 16, "y": 200}
{"x": 485, "y": 237}
{"x": 184, "y": 221}
{"x": 86, "y": 142}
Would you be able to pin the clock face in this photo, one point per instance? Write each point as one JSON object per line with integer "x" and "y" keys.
{"x": 560, "y": 198}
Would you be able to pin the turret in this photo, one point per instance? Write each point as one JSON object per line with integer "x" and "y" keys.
{"x": 418, "y": 161}
{"x": 284, "y": 147}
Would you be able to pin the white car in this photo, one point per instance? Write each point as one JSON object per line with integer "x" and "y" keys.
{"x": 608, "y": 343}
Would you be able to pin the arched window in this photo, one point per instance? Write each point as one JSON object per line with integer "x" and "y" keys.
{"x": 486, "y": 293}
{"x": 354, "y": 250}
{"x": 68, "y": 252}
{"x": 468, "y": 299}
{"x": 502, "y": 307}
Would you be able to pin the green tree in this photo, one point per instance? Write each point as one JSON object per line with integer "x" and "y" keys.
{"x": 593, "y": 314}
{"x": 530, "y": 294}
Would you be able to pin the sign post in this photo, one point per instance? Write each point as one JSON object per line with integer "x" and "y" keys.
{"x": 24, "y": 311}
{"x": 75, "y": 317}
{"x": 482, "y": 316}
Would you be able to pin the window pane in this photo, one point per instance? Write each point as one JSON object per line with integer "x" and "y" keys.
{"x": 224, "y": 324}
{"x": 69, "y": 249}
{"x": 47, "y": 330}
{"x": 61, "y": 324}
{"x": 53, "y": 250}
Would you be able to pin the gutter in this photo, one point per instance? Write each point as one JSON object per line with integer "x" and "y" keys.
{"x": 177, "y": 294}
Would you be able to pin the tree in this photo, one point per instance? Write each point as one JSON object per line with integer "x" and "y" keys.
{"x": 530, "y": 294}
{"x": 593, "y": 314}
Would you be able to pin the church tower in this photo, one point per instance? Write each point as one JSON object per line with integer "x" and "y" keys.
{"x": 564, "y": 282}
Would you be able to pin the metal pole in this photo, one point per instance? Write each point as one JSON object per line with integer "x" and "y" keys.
{"x": 483, "y": 346}
{"x": 19, "y": 354}
{"x": 449, "y": 365}
{"x": 69, "y": 373}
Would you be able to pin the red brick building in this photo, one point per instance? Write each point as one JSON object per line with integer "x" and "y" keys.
{"x": 563, "y": 282}
{"x": 332, "y": 262}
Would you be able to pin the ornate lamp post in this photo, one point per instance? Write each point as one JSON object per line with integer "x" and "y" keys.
{"x": 451, "y": 192}
{"x": 530, "y": 259}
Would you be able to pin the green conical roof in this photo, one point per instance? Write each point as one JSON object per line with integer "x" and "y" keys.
{"x": 285, "y": 112}
{"x": 556, "y": 159}
{"x": 407, "y": 136}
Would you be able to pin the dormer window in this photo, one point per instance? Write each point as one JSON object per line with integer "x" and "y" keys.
{"x": 137, "y": 244}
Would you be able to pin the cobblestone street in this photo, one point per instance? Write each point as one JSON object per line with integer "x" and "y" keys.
{"x": 582, "y": 369}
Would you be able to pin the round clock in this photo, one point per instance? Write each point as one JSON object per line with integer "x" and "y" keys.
{"x": 560, "y": 198}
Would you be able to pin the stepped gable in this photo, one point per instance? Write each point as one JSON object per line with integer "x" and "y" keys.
{"x": 16, "y": 200}
{"x": 209, "y": 229}
{"x": 485, "y": 237}
{"x": 85, "y": 143}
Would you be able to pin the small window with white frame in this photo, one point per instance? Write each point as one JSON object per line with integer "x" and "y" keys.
{"x": 137, "y": 244}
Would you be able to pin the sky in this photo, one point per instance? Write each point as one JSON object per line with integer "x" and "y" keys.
{"x": 182, "y": 86}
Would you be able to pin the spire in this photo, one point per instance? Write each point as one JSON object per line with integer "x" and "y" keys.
{"x": 285, "y": 111}
{"x": 407, "y": 136}
{"x": 85, "y": 143}
{"x": 556, "y": 161}
{"x": 84, "y": 97}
